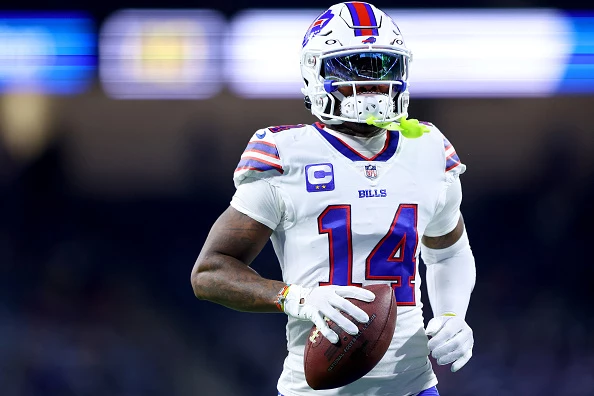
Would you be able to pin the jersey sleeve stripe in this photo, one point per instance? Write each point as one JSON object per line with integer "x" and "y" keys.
{"x": 450, "y": 151}
{"x": 246, "y": 169}
{"x": 257, "y": 164}
{"x": 255, "y": 151}
{"x": 452, "y": 161}
{"x": 265, "y": 157}
{"x": 265, "y": 148}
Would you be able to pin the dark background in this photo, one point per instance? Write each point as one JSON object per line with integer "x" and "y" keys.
{"x": 102, "y": 223}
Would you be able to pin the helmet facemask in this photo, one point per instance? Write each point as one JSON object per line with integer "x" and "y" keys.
{"x": 366, "y": 83}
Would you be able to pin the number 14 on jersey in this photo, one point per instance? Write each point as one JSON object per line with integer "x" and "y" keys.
{"x": 392, "y": 259}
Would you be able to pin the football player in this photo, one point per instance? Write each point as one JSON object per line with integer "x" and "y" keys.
{"x": 346, "y": 202}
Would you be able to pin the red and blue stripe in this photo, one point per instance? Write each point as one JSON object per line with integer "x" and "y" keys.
{"x": 363, "y": 19}
{"x": 452, "y": 159}
{"x": 257, "y": 164}
{"x": 265, "y": 148}
{"x": 260, "y": 156}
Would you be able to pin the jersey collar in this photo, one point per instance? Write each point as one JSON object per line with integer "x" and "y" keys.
{"x": 384, "y": 154}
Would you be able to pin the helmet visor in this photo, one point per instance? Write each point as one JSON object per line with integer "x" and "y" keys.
{"x": 373, "y": 66}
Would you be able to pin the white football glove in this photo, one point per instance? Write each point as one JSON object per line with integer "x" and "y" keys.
{"x": 324, "y": 301}
{"x": 451, "y": 341}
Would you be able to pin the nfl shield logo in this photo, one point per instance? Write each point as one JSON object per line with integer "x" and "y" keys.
{"x": 370, "y": 171}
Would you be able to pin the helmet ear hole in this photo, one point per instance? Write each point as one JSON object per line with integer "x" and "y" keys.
{"x": 306, "y": 99}
{"x": 307, "y": 102}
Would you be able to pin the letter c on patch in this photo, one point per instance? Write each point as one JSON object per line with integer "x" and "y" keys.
{"x": 319, "y": 177}
{"x": 319, "y": 174}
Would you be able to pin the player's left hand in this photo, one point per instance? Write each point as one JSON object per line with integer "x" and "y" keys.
{"x": 451, "y": 341}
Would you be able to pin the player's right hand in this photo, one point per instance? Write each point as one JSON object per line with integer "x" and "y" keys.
{"x": 324, "y": 301}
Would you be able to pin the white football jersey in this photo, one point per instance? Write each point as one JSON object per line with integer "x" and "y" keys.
{"x": 347, "y": 219}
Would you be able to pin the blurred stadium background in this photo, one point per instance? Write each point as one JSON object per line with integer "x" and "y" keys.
{"x": 121, "y": 124}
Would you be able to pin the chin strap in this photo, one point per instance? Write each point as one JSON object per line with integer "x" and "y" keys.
{"x": 411, "y": 129}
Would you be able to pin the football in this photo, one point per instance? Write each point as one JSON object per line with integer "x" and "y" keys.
{"x": 330, "y": 365}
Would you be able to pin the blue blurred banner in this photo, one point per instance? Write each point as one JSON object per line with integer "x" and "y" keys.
{"x": 579, "y": 71}
{"x": 46, "y": 52}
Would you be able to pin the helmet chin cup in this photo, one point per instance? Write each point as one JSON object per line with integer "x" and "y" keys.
{"x": 362, "y": 106}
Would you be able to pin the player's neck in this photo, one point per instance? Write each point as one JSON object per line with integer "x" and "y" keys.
{"x": 358, "y": 130}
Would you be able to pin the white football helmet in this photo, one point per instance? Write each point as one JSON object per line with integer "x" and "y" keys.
{"x": 354, "y": 45}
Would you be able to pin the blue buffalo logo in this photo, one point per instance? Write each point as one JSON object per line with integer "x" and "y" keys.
{"x": 318, "y": 25}
{"x": 369, "y": 40}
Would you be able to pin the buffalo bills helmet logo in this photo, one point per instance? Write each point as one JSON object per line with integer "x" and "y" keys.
{"x": 369, "y": 40}
{"x": 318, "y": 25}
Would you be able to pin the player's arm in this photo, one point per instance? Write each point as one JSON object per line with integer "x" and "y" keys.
{"x": 447, "y": 240}
{"x": 222, "y": 273}
{"x": 450, "y": 279}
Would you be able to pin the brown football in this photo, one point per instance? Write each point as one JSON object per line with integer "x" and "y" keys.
{"x": 330, "y": 365}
